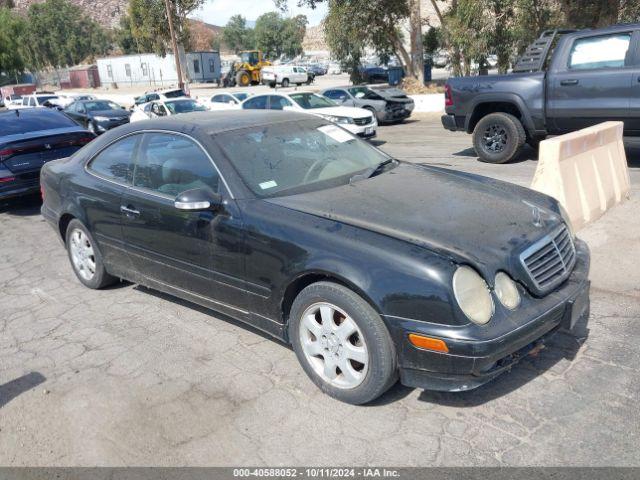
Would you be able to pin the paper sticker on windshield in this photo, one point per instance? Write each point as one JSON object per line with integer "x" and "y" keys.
{"x": 338, "y": 134}
{"x": 267, "y": 185}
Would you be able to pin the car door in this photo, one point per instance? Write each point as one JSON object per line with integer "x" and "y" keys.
{"x": 195, "y": 252}
{"x": 112, "y": 172}
{"x": 634, "y": 103}
{"x": 591, "y": 83}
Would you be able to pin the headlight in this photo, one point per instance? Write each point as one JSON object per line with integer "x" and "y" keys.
{"x": 101, "y": 119}
{"x": 473, "y": 295}
{"x": 567, "y": 220}
{"x": 507, "y": 291}
{"x": 334, "y": 119}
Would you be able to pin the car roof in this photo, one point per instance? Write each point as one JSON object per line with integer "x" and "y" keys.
{"x": 212, "y": 123}
{"x": 30, "y": 112}
{"x": 620, "y": 27}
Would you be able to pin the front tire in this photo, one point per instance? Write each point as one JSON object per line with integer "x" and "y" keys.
{"x": 85, "y": 257}
{"x": 342, "y": 343}
{"x": 498, "y": 137}
{"x": 285, "y": 83}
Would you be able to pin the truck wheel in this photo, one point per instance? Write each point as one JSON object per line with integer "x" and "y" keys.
{"x": 243, "y": 79}
{"x": 342, "y": 343}
{"x": 498, "y": 137}
{"x": 285, "y": 82}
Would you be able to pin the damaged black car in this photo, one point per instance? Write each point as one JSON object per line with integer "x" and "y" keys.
{"x": 373, "y": 269}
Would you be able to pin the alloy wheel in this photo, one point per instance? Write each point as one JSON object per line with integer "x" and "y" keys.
{"x": 334, "y": 345}
{"x": 495, "y": 138}
{"x": 82, "y": 254}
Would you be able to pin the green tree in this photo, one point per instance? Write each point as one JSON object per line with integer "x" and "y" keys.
{"x": 292, "y": 35}
{"x": 348, "y": 40}
{"x": 12, "y": 29}
{"x": 268, "y": 34}
{"x": 148, "y": 23}
{"x": 59, "y": 34}
{"x": 236, "y": 35}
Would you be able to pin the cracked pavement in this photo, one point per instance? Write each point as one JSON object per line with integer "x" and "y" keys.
{"x": 128, "y": 376}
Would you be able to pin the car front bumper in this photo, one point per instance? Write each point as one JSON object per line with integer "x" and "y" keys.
{"x": 471, "y": 363}
{"x": 363, "y": 131}
{"x": 395, "y": 115}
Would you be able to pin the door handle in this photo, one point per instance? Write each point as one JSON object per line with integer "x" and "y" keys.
{"x": 569, "y": 82}
{"x": 129, "y": 211}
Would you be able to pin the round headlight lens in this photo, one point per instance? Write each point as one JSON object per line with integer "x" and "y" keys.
{"x": 473, "y": 295}
{"x": 507, "y": 291}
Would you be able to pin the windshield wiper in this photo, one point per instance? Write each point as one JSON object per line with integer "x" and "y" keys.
{"x": 371, "y": 172}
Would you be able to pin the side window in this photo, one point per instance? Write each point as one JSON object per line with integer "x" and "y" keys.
{"x": 259, "y": 103}
{"x": 605, "y": 51}
{"x": 116, "y": 161}
{"x": 278, "y": 103}
{"x": 25, "y": 102}
{"x": 336, "y": 94}
{"x": 80, "y": 108}
{"x": 170, "y": 164}
{"x": 220, "y": 99}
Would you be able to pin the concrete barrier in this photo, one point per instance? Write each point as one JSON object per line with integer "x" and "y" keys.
{"x": 586, "y": 171}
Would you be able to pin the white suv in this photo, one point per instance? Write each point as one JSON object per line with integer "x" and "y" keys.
{"x": 284, "y": 75}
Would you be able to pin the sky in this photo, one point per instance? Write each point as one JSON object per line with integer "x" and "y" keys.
{"x": 218, "y": 12}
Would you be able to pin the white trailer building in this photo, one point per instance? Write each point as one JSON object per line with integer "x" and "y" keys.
{"x": 155, "y": 71}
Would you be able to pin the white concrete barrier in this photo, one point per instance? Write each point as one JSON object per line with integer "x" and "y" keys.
{"x": 431, "y": 102}
{"x": 586, "y": 171}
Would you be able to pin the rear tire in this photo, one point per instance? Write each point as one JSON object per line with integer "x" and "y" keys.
{"x": 498, "y": 137}
{"x": 85, "y": 257}
{"x": 342, "y": 343}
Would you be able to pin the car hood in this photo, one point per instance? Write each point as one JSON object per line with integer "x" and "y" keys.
{"x": 394, "y": 95}
{"x": 351, "y": 112}
{"x": 110, "y": 113}
{"x": 470, "y": 219}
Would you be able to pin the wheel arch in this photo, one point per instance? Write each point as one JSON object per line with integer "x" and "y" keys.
{"x": 303, "y": 280}
{"x": 63, "y": 223}
{"x": 511, "y": 104}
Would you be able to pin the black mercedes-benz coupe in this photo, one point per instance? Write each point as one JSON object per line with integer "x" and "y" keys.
{"x": 370, "y": 267}
{"x": 29, "y": 138}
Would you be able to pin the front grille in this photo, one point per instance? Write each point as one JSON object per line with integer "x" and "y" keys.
{"x": 550, "y": 260}
{"x": 362, "y": 121}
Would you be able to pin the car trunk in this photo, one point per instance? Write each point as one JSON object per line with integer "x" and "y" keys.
{"x": 26, "y": 157}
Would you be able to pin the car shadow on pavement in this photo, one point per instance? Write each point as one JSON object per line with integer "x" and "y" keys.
{"x": 525, "y": 155}
{"x": 12, "y": 389}
{"x": 562, "y": 346}
{"x": 26, "y": 206}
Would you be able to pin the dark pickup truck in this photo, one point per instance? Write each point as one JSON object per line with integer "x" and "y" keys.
{"x": 565, "y": 81}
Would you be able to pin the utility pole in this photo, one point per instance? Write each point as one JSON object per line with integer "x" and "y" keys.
{"x": 174, "y": 43}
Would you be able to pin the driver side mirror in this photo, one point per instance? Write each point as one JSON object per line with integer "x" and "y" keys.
{"x": 198, "y": 200}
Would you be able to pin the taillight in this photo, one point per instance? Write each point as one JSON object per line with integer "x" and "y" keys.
{"x": 84, "y": 140}
{"x": 448, "y": 97}
{"x": 7, "y": 152}
{"x": 7, "y": 179}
